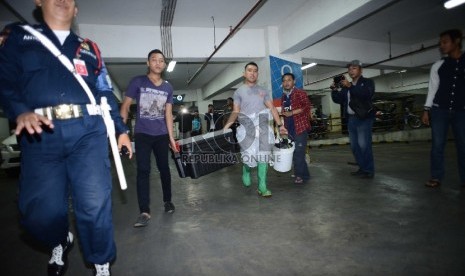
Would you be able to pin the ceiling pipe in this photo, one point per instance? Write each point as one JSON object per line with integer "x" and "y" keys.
{"x": 249, "y": 14}
{"x": 422, "y": 48}
{"x": 166, "y": 20}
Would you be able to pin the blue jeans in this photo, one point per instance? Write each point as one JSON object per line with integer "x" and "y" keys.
{"x": 146, "y": 144}
{"x": 72, "y": 159}
{"x": 440, "y": 121}
{"x": 300, "y": 164}
{"x": 360, "y": 142}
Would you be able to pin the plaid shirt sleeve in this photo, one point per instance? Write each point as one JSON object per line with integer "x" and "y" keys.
{"x": 299, "y": 100}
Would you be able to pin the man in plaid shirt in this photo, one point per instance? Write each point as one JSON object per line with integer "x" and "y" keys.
{"x": 295, "y": 107}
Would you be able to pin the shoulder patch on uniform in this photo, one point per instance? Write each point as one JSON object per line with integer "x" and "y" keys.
{"x": 94, "y": 46}
{"x": 85, "y": 46}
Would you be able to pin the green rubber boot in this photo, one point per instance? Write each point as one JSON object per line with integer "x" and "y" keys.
{"x": 246, "y": 176}
{"x": 262, "y": 170}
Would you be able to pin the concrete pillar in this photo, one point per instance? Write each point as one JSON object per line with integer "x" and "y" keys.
{"x": 333, "y": 111}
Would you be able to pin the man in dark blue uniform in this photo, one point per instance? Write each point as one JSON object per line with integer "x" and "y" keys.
{"x": 63, "y": 138}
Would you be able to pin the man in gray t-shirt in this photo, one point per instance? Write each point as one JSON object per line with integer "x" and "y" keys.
{"x": 253, "y": 107}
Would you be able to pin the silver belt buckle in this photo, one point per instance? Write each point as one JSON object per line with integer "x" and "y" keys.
{"x": 63, "y": 111}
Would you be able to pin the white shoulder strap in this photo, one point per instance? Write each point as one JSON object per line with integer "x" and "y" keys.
{"x": 104, "y": 105}
{"x": 63, "y": 59}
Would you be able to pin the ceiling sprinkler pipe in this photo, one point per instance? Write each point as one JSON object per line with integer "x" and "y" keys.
{"x": 383, "y": 61}
{"x": 249, "y": 14}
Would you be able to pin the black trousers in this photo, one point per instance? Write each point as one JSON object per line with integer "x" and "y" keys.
{"x": 146, "y": 145}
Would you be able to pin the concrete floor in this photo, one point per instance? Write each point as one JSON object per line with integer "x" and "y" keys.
{"x": 335, "y": 225}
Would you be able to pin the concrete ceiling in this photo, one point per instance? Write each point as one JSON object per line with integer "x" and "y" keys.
{"x": 368, "y": 30}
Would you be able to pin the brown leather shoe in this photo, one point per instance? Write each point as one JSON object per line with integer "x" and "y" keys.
{"x": 365, "y": 175}
{"x": 432, "y": 183}
{"x": 356, "y": 173}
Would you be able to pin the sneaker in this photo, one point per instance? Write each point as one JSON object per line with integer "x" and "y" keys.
{"x": 142, "y": 220}
{"x": 265, "y": 194}
{"x": 102, "y": 270}
{"x": 58, "y": 263}
{"x": 169, "y": 207}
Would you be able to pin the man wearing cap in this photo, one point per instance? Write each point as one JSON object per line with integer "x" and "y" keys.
{"x": 360, "y": 90}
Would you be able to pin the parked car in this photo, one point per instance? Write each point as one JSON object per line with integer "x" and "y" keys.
{"x": 10, "y": 155}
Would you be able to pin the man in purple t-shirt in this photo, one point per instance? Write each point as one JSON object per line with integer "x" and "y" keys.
{"x": 153, "y": 131}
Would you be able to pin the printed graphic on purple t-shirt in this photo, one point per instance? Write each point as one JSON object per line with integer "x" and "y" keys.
{"x": 152, "y": 103}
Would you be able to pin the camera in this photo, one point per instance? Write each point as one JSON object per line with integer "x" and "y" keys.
{"x": 337, "y": 81}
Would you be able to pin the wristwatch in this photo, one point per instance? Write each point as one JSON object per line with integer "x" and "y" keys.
{"x": 426, "y": 108}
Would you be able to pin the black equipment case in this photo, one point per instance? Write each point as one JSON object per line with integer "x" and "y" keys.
{"x": 203, "y": 154}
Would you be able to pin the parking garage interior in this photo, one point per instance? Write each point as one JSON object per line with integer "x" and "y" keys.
{"x": 333, "y": 225}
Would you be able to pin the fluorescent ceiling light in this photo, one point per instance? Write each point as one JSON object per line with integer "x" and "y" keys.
{"x": 311, "y": 64}
{"x": 453, "y": 3}
{"x": 171, "y": 66}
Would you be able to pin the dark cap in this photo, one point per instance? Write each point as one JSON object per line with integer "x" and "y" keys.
{"x": 354, "y": 62}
